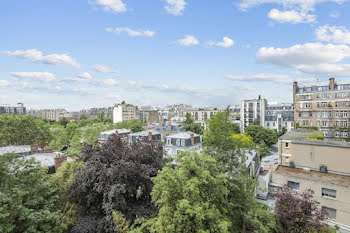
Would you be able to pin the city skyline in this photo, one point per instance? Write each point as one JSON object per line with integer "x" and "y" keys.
{"x": 94, "y": 53}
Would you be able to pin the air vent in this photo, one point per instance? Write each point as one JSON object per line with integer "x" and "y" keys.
{"x": 323, "y": 169}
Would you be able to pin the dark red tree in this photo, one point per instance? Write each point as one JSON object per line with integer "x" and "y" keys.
{"x": 116, "y": 176}
{"x": 298, "y": 212}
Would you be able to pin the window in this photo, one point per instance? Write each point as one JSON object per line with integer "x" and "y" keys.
{"x": 182, "y": 142}
{"x": 329, "y": 193}
{"x": 287, "y": 145}
{"x": 178, "y": 142}
{"x": 332, "y": 213}
{"x": 293, "y": 185}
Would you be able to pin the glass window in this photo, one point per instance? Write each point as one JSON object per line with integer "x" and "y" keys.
{"x": 332, "y": 213}
{"x": 182, "y": 142}
{"x": 287, "y": 145}
{"x": 178, "y": 142}
{"x": 293, "y": 185}
{"x": 329, "y": 193}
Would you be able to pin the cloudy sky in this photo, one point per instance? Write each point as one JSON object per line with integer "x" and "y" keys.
{"x": 92, "y": 53}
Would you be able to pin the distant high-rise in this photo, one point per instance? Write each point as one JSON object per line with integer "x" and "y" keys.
{"x": 323, "y": 105}
{"x": 253, "y": 112}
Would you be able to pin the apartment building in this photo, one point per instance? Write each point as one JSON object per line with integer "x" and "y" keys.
{"x": 50, "y": 114}
{"x": 320, "y": 165}
{"x": 124, "y": 112}
{"x": 253, "y": 112}
{"x": 18, "y": 109}
{"x": 145, "y": 136}
{"x": 279, "y": 116}
{"x": 200, "y": 115}
{"x": 180, "y": 142}
{"x": 325, "y": 106}
{"x": 97, "y": 112}
{"x": 122, "y": 133}
{"x": 148, "y": 114}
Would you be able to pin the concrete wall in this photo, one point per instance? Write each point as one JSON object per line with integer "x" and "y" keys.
{"x": 341, "y": 203}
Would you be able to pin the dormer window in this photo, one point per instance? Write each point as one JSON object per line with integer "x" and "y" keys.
{"x": 182, "y": 142}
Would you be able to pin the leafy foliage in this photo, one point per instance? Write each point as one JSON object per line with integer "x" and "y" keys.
{"x": 191, "y": 197}
{"x": 298, "y": 212}
{"x": 121, "y": 225}
{"x": 264, "y": 150}
{"x": 116, "y": 176}
{"x": 191, "y": 126}
{"x": 27, "y": 200}
{"x": 134, "y": 125}
{"x": 23, "y": 130}
{"x": 59, "y": 138}
{"x": 259, "y": 134}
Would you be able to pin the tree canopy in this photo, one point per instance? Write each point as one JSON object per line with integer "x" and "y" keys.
{"x": 259, "y": 134}
{"x": 27, "y": 200}
{"x": 116, "y": 176}
{"x": 191, "y": 126}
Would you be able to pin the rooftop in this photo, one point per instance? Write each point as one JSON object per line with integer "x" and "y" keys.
{"x": 145, "y": 133}
{"x": 113, "y": 131}
{"x": 183, "y": 135}
{"x": 314, "y": 175}
{"x": 14, "y": 149}
{"x": 47, "y": 159}
{"x": 301, "y": 136}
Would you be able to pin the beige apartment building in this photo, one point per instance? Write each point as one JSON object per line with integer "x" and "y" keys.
{"x": 124, "y": 112}
{"x": 320, "y": 165}
{"x": 325, "y": 106}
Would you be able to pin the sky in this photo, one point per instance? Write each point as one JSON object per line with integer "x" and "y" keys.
{"x": 95, "y": 53}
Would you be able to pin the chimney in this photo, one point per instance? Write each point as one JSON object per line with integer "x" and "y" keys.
{"x": 150, "y": 136}
{"x": 169, "y": 125}
{"x": 160, "y": 122}
{"x": 130, "y": 131}
{"x": 34, "y": 149}
{"x": 117, "y": 133}
{"x": 59, "y": 159}
{"x": 192, "y": 139}
{"x": 295, "y": 86}
{"x": 331, "y": 83}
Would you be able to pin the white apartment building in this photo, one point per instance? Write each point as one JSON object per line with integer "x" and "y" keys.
{"x": 200, "y": 115}
{"x": 253, "y": 111}
{"x": 279, "y": 116}
{"x": 124, "y": 112}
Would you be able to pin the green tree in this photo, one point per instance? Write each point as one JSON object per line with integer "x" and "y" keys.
{"x": 219, "y": 132}
{"x": 63, "y": 121}
{"x": 191, "y": 126}
{"x": 134, "y": 125}
{"x": 191, "y": 197}
{"x": 72, "y": 128}
{"x": 27, "y": 200}
{"x": 23, "y": 130}
{"x": 259, "y": 133}
{"x": 61, "y": 181}
{"x": 59, "y": 138}
{"x": 120, "y": 223}
{"x": 263, "y": 149}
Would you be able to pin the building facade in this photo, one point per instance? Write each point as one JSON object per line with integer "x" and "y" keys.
{"x": 200, "y": 115}
{"x": 320, "y": 165}
{"x": 279, "y": 117}
{"x": 253, "y": 112}
{"x": 180, "y": 142}
{"x": 325, "y": 106}
{"x": 50, "y": 114}
{"x": 124, "y": 112}
{"x": 18, "y": 109}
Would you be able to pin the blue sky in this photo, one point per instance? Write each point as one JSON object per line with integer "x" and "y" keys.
{"x": 93, "y": 53}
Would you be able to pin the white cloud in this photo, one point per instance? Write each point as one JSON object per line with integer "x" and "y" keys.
{"x": 4, "y": 83}
{"x": 131, "y": 32}
{"x": 300, "y": 4}
{"x": 334, "y": 14}
{"x": 37, "y": 56}
{"x": 116, "y": 6}
{"x": 82, "y": 78}
{"x": 85, "y": 75}
{"x": 312, "y": 58}
{"x": 175, "y": 7}
{"x": 226, "y": 42}
{"x": 291, "y": 16}
{"x": 280, "y": 78}
{"x": 335, "y": 34}
{"x": 104, "y": 69}
{"x": 189, "y": 40}
{"x": 42, "y": 76}
{"x": 109, "y": 82}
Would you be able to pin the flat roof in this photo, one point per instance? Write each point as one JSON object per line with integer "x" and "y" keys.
{"x": 113, "y": 131}
{"x": 47, "y": 159}
{"x": 301, "y": 136}
{"x": 15, "y": 149}
{"x": 145, "y": 133}
{"x": 314, "y": 175}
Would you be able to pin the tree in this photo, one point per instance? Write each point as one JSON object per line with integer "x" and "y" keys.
{"x": 59, "y": 138}
{"x": 61, "y": 181}
{"x": 27, "y": 200}
{"x": 297, "y": 212}
{"x": 116, "y": 176}
{"x": 263, "y": 149}
{"x": 23, "y": 130}
{"x": 63, "y": 121}
{"x": 134, "y": 125}
{"x": 72, "y": 128}
{"x": 259, "y": 133}
{"x": 219, "y": 131}
{"x": 191, "y": 126}
{"x": 121, "y": 225}
{"x": 191, "y": 197}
